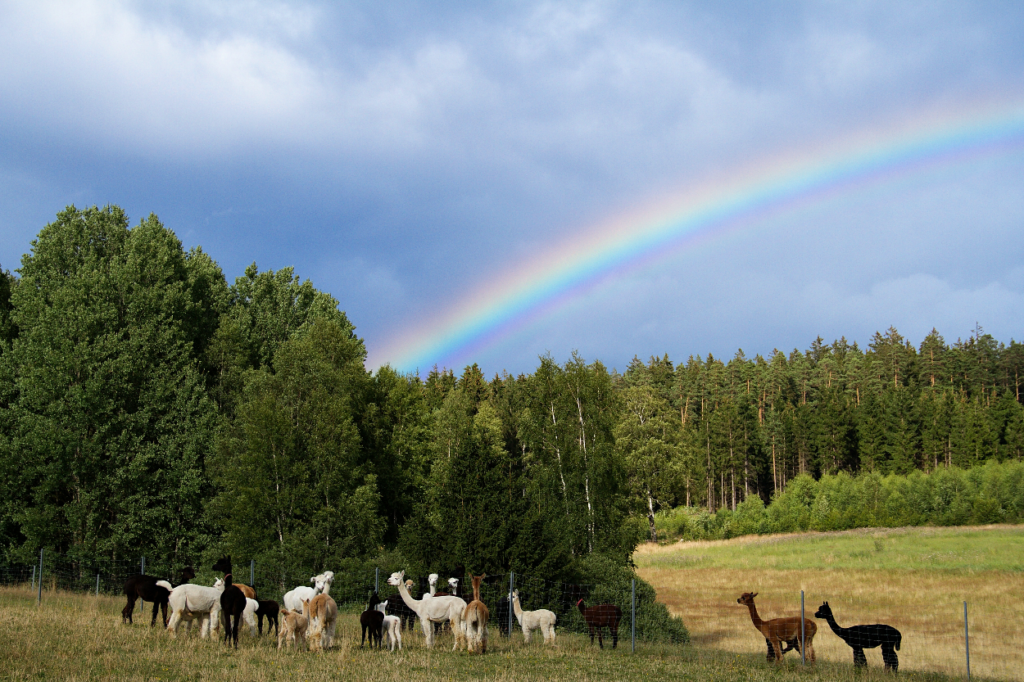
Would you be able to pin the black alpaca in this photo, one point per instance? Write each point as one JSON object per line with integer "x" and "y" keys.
{"x": 232, "y": 603}
{"x": 861, "y": 637}
{"x": 144, "y": 587}
{"x": 270, "y": 609}
{"x": 373, "y": 620}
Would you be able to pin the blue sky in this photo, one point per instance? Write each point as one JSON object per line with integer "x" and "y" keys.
{"x": 400, "y": 155}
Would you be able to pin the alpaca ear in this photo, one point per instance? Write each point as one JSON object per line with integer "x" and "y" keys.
{"x": 753, "y": 595}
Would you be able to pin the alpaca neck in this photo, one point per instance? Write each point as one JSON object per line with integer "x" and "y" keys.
{"x": 433, "y": 589}
{"x": 756, "y": 619}
{"x": 476, "y": 591}
{"x": 413, "y": 604}
{"x": 831, "y": 620}
{"x": 327, "y": 589}
{"x": 518, "y": 609}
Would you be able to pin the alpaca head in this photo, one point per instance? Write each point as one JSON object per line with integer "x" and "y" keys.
{"x": 409, "y": 584}
{"x": 477, "y": 579}
{"x": 219, "y": 582}
{"x": 305, "y": 608}
{"x": 747, "y": 599}
{"x": 824, "y": 611}
{"x": 581, "y": 605}
{"x": 515, "y": 595}
{"x": 396, "y": 578}
{"x": 382, "y": 606}
{"x": 432, "y": 579}
{"x": 323, "y": 582}
{"x": 453, "y": 583}
{"x": 187, "y": 573}
{"x": 223, "y": 564}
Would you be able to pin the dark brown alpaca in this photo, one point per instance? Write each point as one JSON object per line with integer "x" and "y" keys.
{"x": 602, "y": 616}
{"x": 145, "y": 587}
{"x": 232, "y": 603}
{"x": 224, "y": 566}
{"x": 861, "y": 637}
{"x": 780, "y": 630}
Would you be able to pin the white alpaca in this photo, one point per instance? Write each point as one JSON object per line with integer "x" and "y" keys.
{"x": 541, "y": 619}
{"x": 293, "y": 625}
{"x": 392, "y": 625}
{"x": 432, "y": 581}
{"x": 321, "y": 585}
{"x": 432, "y": 610}
{"x": 195, "y": 602}
{"x": 323, "y": 616}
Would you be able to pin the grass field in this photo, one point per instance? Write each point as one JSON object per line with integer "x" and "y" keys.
{"x": 80, "y": 637}
{"x": 915, "y": 579}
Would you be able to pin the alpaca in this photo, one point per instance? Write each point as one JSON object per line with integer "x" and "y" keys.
{"x": 541, "y": 619}
{"x": 321, "y": 585}
{"x": 474, "y": 619}
{"x": 779, "y": 630}
{"x": 392, "y": 626}
{"x": 149, "y": 589}
{"x": 861, "y": 637}
{"x": 398, "y": 608}
{"x": 232, "y": 604}
{"x": 373, "y": 620}
{"x": 294, "y": 625}
{"x": 224, "y": 566}
{"x": 190, "y": 602}
{"x": 270, "y": 609}
{"x": 323, "y": 616}
{"x": 601, "y": 616}
{"x": 433, "y": 610}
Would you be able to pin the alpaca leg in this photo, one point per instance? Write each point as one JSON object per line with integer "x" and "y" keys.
{"x": 600, "y": 639}
{"x": 615, "y": 637}
{"x": 526, "y": 634}
{"x": 172, "y": 624}
{"x": 859, "y": 659}
{"x": 810, "y": 650}
{"x": 770, "y": 657}
{"x": 892, "y": 660}
{"x": 129, "y": 609}
{"x": 777, "y": 650}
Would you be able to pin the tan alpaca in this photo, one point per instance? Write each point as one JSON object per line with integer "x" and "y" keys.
{"x": 323, "y": 615}
{"x": 293, "y": 625}
{"x": 474, "y": 619}
{"x": 780, "y": 630}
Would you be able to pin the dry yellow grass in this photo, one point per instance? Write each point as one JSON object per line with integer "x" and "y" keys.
{"x": 926, "y": 606}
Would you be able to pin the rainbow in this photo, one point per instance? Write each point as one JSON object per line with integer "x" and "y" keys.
{"x": 740, "y": 200}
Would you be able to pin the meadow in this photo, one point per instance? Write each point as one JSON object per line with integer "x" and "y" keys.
{"x": 915, "y": 579}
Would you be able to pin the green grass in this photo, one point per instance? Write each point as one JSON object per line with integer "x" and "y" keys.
{"x": 961, "y": 549}
{"x": 79, "y": 637}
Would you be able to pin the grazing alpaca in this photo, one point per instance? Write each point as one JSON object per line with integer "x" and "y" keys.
{"x": 602, "y": 616}
{"x": 474, "y": 619}
{"x": 432, "y": 610}
{"x": 541, "y": 619}
{"x": 294, "y": 625}
{"x": 321, "y": 585}
{"x": 323, "y": 616}
{"x": 232, "y": 603}
{"x": 270, "y": 609}
{"x": 392, "y": 626}
{"x": 779, "y": 630}
{"x": 224, "y": 566}
{"x": 191, "y": 602}
{"x": 148, "y": 588}
{"x": 861, "y": 637}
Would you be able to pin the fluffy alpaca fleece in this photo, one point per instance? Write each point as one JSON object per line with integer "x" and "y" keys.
{"x": 392, "y": 625}
{"x": 474, "y": 620}
{"x": 321, "y": 585}
{"x": 323, "y": 616}
{"x": 541, "y": 619}
{"x": 293, "y": 625}
{"x": 432, "y": 610}
{"x": 195, "y": 602}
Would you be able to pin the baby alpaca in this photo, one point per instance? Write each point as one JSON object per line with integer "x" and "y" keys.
{"x": 294, "y": 625}
{"x": 541, "y": 619}
{"x": 392, "y": 626}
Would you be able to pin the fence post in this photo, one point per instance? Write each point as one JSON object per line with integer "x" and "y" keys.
{"x": 803, "y": 634}
{"x": 632, "y": 617}
{"x": 252, "y": 573}
{"x": 967, "y": 643}
{"x": 143, "y": 572}
{"x": 511, "y": 608}
{"x": 39, "y": 599}
{"x": 97, "y": 584}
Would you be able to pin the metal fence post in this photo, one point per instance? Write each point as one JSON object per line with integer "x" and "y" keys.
{"x": 967, "y": 643}
{"x": 511, "y": 607}
{"x": 143, "y": 571}
{"x": 252, "y": 573}
{"x": 39, "y": 599}
{"x": 97, "y": 584}
{"x": 632, "y": 617}
{"x": 803, "y": 634}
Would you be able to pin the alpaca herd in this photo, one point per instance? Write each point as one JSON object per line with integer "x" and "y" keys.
{"x": 791, "y": 631}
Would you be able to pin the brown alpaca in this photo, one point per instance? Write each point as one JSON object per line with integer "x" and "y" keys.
{"x": 323, "y": 616}
{"x": 780, "y": 630}
{"x": 293, "y": 625}
{"x": 474, "y": 617}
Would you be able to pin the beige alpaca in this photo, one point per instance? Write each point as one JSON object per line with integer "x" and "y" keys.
{"x": 323, "y": 615}
{"x": 541, "y": 619}
{"x": 432, "y": 610}
{"x": 474, "y": 620}
{"x": 293, "y": 625}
